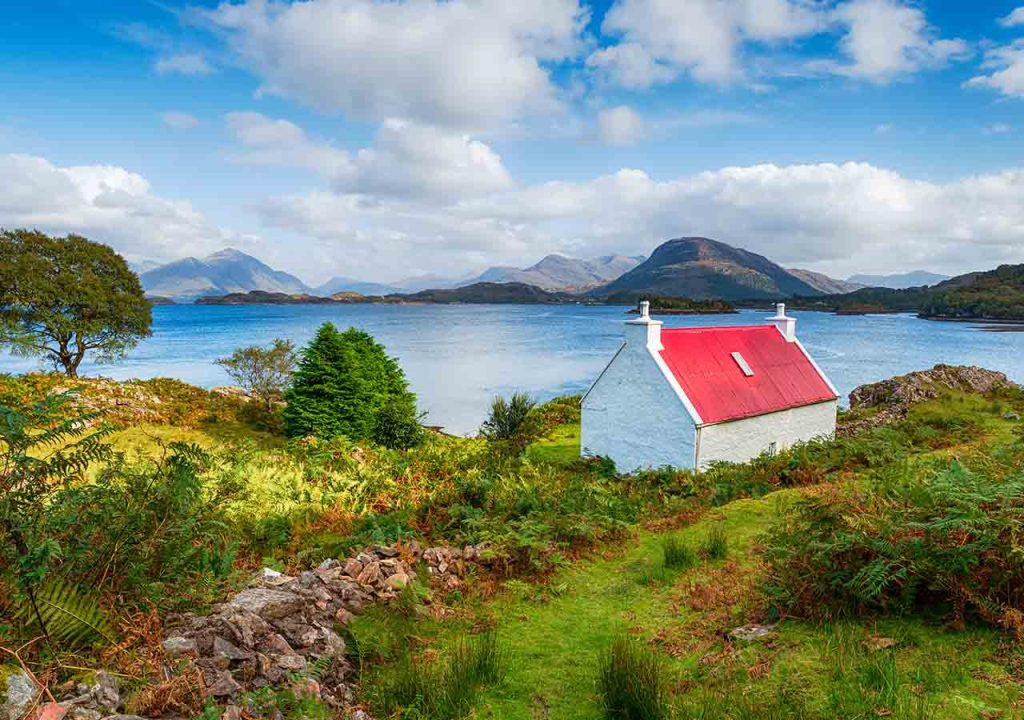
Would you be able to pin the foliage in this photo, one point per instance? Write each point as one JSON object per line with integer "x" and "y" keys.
{"x": 64, "y": 613}
{"x": 343, "y": 382}
{"x": 61, "y": 298}
{"x": 513, "y": 423}
{"x": 397, "y": 426}
{"x": 632, "y": 683}
{"x": 265, "y": 372}
{"x": 907, "y": 540}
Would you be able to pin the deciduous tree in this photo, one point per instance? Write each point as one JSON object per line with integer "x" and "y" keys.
{"x": 62, "y": 298}
{"x": 264, "y": 372}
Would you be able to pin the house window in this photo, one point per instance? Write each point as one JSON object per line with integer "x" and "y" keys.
{"x": 772, "y": 447}
{"x": 742, "y": 362}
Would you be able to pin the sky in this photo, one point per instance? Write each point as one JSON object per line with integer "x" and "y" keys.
{"x": 378, "y": 140}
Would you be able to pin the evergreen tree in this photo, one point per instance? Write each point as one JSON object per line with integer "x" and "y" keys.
{"x": 344, "y": 382}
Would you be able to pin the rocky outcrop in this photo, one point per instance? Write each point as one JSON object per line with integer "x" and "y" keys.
{"x": 894, "y": 397}
{"x": 280, "y": 628}
{"x": 18, "y": 692}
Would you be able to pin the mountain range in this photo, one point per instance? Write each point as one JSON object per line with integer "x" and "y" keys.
{"x": 917, "y": 278}
{"x": 698, "y": 268}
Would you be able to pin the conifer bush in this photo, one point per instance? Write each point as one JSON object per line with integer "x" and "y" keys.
{"x": 347, "y": 385}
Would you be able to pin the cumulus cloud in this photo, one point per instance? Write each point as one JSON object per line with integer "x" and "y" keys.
{"x": 454, "y": 63}
{"x": 837, "y": 217}
{"x": 106, "y": 203}
{"x": 1006, "y": 63}
{"x": 184, "y": 64}
{"x": 1014, "y": 18}
{"x": 885, "y": 39}
{"x": 620, "y": 125}
{"x": 179, "y": 120}
{"x": 662, "y": 39}
{"x": 406, "y": 159}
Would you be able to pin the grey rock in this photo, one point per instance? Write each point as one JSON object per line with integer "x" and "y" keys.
{"x": 290, "y": 663}
{"x": 224, "y": 685}
{"x": 106, "y": 692}
{"x": 1011, "y": 416}
{"x": 178, "y": 646}
{"x": 231, "y": 712}
{"x": 231, "y": 652}
{"x": 328, "y": 564}
{"x": 397, "y": 581}
{"x": 268, "y": 604}
{"x": 385, "y": 551}
{"x": 82, "y": 713}
{"x": 18, "y": 695}
{"x": 751, "y": 632}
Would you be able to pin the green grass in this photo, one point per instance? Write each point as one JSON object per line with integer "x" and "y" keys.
{"x": 561, "y": 446}
{"x": 556, "y": 635}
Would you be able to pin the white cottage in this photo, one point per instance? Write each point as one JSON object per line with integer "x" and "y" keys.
{"x": 688, "y": 397}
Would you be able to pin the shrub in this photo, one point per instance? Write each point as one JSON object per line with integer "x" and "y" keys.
{"x": 397, "y": 426}
{"x": 907, "y": 540}
{"x": 343, "y": 381}
{"x": 631, "y": 683}
{"x": 677, "y": 554}
{"x": 264, "y": 372}
{"x": 513, "y": 423}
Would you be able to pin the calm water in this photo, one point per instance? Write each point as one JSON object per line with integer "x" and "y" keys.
{"x": 457, "y": 357}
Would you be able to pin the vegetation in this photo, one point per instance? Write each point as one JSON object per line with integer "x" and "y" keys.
{"x": 264, "y": 372}
{"x": 344, "y": 383}
{"x": 63, "y": 298}
{"x": 671, "y": 305}
{"x": 597, "y": 593}
{"x": 513, "y": 423}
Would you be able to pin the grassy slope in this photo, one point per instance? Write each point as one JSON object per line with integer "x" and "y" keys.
{"x": 555, "y": 632}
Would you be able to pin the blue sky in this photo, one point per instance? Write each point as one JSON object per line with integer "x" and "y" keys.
{"x": 384, "y": 139}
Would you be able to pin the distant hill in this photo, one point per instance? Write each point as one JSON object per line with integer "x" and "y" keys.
{"x": 994, "y": 295}
{"x": 561, "y": 273}
{"x": 224, "y": 272}
{"x": 917, "y": 278}
{"x": 700, "y": 268}
{"x": 824, "y": 283}
{"x": 344, "y": 284}
{"x": 489, "y": 292}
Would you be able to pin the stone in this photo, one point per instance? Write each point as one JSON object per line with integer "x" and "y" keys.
{"x": 178, "y": 646}
{"x": 48, "y": 711}
{"x": 274, "y": 644}
{"x": 751, "y": 632}
{"x": 385, "y": 551}
{"x": 231, "y": 652}
{"x": 231, "y": 712}
{"x": 353, "y": 567}
{"x": 290, "y": 663}
{"x": 360, "y": 715}
{"x": 397, "y": 581}
{"x": 328, "y": 564}
{"x": 307, "y": 688}
{"x": 370, "y": 574}
{"x": 343, "y": 616}
{"x": 224, "y": 685}
{"x": 1013, "y": 416}
{"x": 82, "y": 713}
{"x": 19, "y": 692}
{"x": 268, "y": 604}
{"x": 106, "y": 692}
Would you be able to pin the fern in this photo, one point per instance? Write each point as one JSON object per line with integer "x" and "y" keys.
{"x": 70, "y": 616}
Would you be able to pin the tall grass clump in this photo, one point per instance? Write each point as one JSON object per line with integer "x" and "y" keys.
{"x": 632, "y": 683}
{"x": 715, "y": 545}
{"x": 440, "y": 688}
{"x": 677, "y": 554}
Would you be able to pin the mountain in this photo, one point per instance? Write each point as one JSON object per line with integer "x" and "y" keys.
{"x": 487, "y": 292}
{"x": 700, "y": 268}
{"x": 224, "y": 272}
{"x": 824, "y": 283}
{"x": 562, "y": 273}
{"x": 344, "y": 284}
{"x": 917, "y": 278}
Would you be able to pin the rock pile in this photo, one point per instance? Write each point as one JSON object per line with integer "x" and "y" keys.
{"x": 895, "y": 396}
{"x": 281, "y": 630}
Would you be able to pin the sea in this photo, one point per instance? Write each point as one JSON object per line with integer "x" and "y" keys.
{"x": 457, "y": 357}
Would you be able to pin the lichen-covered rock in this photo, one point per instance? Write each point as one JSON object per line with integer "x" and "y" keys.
{"x": 17, "y": 693}
{"x": 266, "y": 603}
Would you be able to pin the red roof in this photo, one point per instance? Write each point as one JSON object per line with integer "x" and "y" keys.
{"x": 702, "y": 361}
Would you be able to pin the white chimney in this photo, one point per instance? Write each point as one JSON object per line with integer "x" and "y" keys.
{"x": 642, "y": 331}
{"x": 785, "y": 324}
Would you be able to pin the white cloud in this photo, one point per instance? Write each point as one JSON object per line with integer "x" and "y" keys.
{"x": 840, "y": 217}
{"x": 405, "y": 160}
{"x": 661, "y": 39}
{"x": 457, "y": 63}
{"x": 105, "y": 203}
{"x": 179, "y": 120}
{"x": 620, "y": 125}
{"x": 998, "y": 128}
{"x": 1014, "y": 18}
{"x": 1007, "y": 65}
{"x": 885, "y": 39}
{"x": 184, "y": 64}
